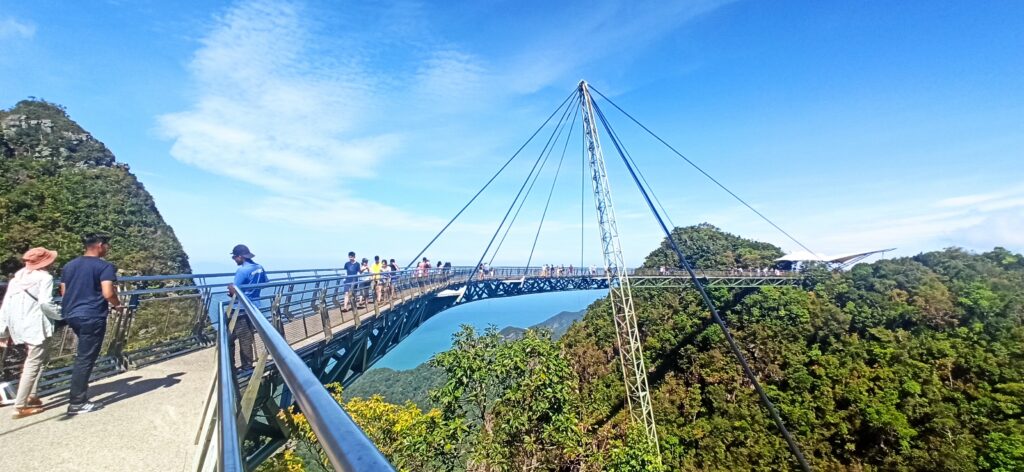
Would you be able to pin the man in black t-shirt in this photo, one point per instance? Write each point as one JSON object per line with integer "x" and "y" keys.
{"x": 87, "y": 287}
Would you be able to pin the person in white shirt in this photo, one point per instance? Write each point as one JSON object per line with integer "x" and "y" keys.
{"x": 24, "y": 320}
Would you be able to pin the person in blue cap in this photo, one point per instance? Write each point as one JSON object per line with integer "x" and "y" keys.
{"x": 249, "y": 273}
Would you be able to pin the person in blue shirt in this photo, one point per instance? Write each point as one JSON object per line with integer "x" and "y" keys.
{"x": 351, "y": 272}
{"x": 248, "y": 274}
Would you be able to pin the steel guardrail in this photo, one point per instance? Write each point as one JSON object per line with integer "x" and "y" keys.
{"x": 344, "y": 443}
{"x": 229, "y": 443}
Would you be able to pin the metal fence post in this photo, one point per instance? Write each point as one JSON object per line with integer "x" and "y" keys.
{"x": 325, "y": 317}
{"x": 275, "y": 314}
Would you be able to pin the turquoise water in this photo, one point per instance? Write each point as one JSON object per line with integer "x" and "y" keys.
{"x": 435, "y": 335}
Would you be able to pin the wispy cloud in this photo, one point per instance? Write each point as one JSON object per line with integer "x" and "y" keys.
{"x": 299, "y": 102}
{"x": 13, "y": 28}
{"x": 977, "y": 221}
{"x": 268, "y": 112}
{"x": 609, "y": 29}
{"x": 451, "y": 78}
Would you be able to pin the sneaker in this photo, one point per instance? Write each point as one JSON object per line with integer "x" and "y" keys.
{"x": 87, "y": 407}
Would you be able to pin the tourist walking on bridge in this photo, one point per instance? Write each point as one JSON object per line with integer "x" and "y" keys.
{"x": 249, "y": 273}
{"x": 351, "y": 275}
{"x": 375, "y": 269}
{"x": 89, "y": 294}
{"x": 25, "y": 319}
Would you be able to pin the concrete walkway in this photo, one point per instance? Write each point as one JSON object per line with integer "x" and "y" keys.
{"x": 149, "y": 422}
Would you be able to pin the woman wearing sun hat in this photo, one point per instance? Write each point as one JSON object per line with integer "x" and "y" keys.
{"x": 22, "y": 321}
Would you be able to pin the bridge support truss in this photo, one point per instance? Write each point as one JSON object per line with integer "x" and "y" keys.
{"x": 631, "y": 356}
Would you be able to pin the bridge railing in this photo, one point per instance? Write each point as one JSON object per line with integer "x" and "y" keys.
{"x": 343, "y": 442}
{"x": 306, "y": 309}
{"x": 169, "y": 315}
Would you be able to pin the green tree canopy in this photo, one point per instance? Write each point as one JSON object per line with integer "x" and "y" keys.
{"x": 707, "y": 247}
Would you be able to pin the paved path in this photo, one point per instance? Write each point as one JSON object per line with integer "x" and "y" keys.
{"x": 149, "y": 423}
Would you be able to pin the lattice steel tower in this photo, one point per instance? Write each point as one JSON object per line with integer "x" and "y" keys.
{"x": 631, "y": 356}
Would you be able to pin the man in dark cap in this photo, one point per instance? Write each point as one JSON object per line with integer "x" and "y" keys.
{"x": 248, "y": 274}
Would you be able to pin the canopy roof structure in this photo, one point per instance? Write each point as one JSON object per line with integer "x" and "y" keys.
{"x": 841, "y": 260}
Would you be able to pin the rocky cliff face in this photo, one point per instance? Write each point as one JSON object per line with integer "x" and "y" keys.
{"x": 58, "y": 182}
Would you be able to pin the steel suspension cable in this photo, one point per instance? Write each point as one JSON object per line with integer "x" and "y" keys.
{"x": 648, "y": 185}
{"x": 554, "y": 181}
{"x": 536, "y": 176}
{"x": 476, "y": 268}
{"x": 733, "y": 346}
{"x": 702, "y": 171}
{"x": 644, "y": 180}
{"x": 495, "y": 176}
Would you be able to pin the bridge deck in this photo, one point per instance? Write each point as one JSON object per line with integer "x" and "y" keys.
{"x": 149, "y": 423}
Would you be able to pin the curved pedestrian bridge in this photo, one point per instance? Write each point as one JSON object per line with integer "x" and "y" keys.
{"x": 164, "y": 392}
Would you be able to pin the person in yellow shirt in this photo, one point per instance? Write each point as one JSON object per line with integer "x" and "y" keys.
{"x": 375, "y": 270}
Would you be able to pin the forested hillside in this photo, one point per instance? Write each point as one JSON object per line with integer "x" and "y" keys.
{"x": 909, "y": 364}
{"x": 58, "y": 182}
{"x": 398, "y": 386}
{"x": 414, "y": 385}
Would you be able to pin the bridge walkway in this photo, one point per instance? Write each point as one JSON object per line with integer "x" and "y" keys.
{"x": 302, "y": 331}
{"x": 149, "y": 422}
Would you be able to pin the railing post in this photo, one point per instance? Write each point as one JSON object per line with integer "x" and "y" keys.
{"x": 288, "y": 301}
{"x": 325, "y": 317}
{"x": 275, "y": 314}
{"x": 122, "y": 324}
{"x": 339, "y": 291}
{"x": 202, "y": 315}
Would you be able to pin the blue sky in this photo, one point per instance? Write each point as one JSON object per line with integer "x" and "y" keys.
{"x": 306, "y": 128}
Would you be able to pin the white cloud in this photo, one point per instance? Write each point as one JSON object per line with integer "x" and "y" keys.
{"x": 1001, "y": 228}
{"x": 984, "y": 199}
{"x": 449, "y": 78}
{"x": 14, "y": 28}
{"x": 268, "y": 112}
{"x": 978, "y": 222}
{"x": 603, "y": 30}
{"x": 299, "y": 108}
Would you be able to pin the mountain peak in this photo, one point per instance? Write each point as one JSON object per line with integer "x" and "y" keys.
{"x": 39, "y": 129}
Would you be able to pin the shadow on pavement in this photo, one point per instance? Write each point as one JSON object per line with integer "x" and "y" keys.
{"x": 112, "y": 392}
{"x": 107, "y": 393}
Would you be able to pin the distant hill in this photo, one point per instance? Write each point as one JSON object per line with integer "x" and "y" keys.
{"x": 558, "y": 325}
{"x": 58, "y": 182}
{"x": 400, "y": 386}
{"x": 707, "y": 247}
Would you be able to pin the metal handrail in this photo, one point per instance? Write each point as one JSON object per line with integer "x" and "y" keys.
{"x": 229, "y": 444}
{"x": 346, "y": 446}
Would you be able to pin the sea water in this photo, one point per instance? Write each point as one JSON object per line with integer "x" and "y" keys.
{"x": 435, "y": 334}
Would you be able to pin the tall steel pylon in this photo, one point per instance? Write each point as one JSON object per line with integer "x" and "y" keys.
{"x": 631, "y": 355}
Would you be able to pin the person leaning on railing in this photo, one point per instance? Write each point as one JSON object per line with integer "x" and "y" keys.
{"x": 248, "y": 273}
{"x": 88, "y": 295}
{"x": 25, "y": 319}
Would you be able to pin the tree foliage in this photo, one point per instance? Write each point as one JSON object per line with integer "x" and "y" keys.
{"x": 707, "y": 247}
{"x": 516, "y": 400}
{"x": 904, "y": 364}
